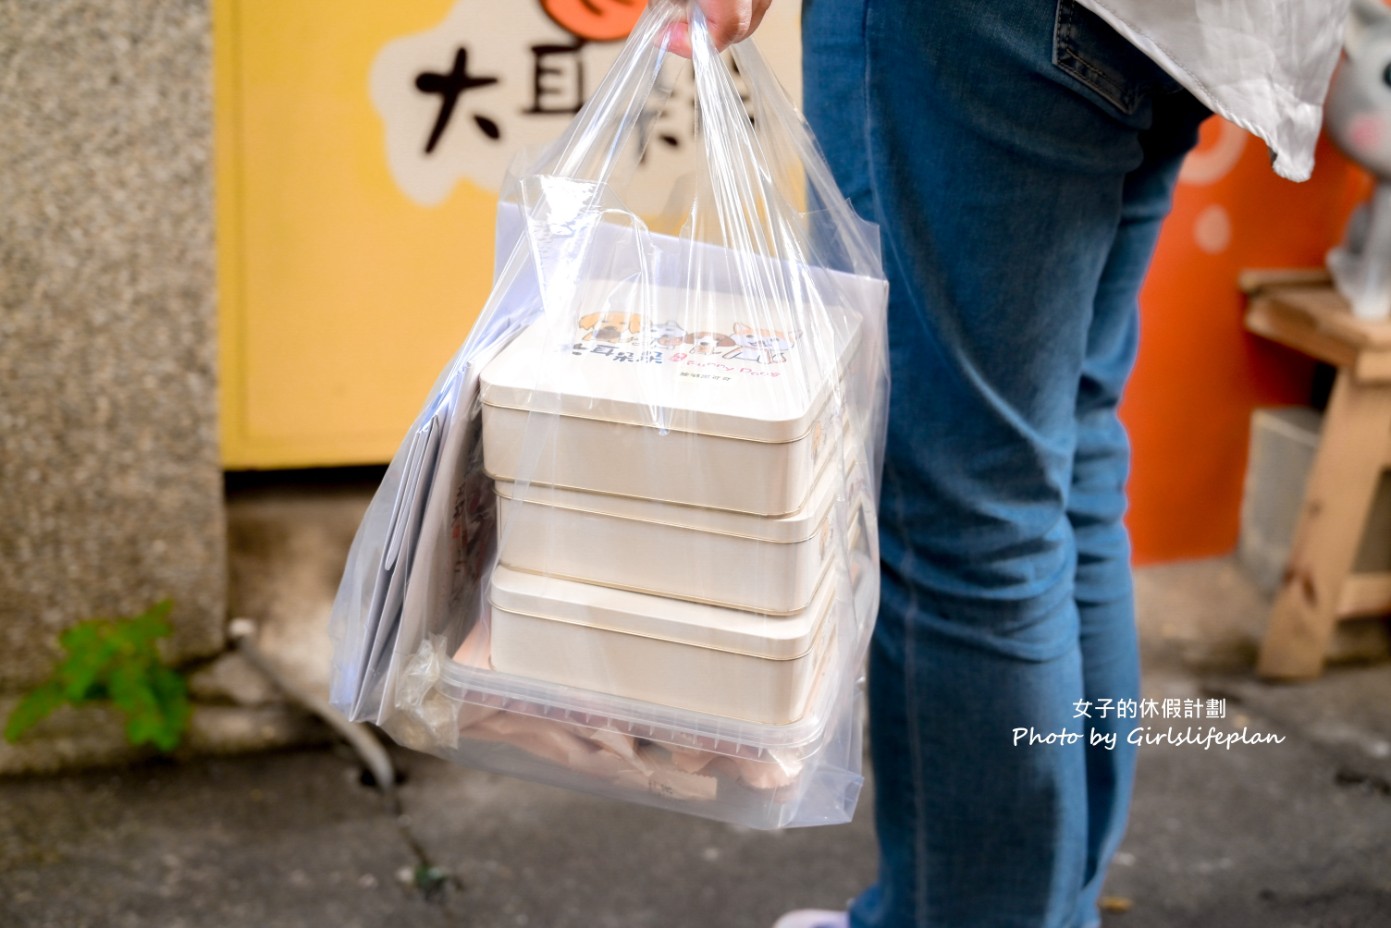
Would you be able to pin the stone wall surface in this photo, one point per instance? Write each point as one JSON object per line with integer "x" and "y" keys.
{"x": 110, "y": 483}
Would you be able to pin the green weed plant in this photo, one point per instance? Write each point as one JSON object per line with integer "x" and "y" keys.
{"x": 114, "y": 661}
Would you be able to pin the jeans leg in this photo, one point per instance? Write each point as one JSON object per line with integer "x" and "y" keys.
{"x": 999, "y": 179}
{"x": 1096, "y": 504}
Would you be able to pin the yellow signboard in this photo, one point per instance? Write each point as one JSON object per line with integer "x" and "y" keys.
{"x": 360, "y": 146}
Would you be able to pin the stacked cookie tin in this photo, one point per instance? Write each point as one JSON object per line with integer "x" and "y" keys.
{"x": 672, "y": 487}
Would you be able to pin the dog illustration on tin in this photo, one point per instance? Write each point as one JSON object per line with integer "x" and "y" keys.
{"x": 766, "y": 346}
{"x": 611, "y": 327}
{"x": 708, "y": 342}
{"x": 667, "y": 334}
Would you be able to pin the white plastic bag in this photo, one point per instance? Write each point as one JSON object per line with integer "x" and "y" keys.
{"x": 629, "y": 546}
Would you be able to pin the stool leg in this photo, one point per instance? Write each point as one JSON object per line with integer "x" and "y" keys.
{"x": 1337, "y": 499}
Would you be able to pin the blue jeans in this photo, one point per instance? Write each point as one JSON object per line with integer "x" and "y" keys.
{"x": 1019, "y": 157}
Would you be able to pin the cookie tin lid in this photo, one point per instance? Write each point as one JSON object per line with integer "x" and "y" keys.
{"x": 709, "y": 363}
{"x": 717, "y": 628}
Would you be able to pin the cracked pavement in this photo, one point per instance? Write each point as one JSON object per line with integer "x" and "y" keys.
{"x": 1289, "y": 835}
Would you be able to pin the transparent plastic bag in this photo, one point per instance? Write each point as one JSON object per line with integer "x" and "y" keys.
{"x": 629, "y": 546}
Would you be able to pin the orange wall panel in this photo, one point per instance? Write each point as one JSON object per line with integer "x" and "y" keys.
{"x": 1200, "y": 374}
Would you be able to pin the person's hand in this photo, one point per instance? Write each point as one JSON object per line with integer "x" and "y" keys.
{"x": 730, "y": 21}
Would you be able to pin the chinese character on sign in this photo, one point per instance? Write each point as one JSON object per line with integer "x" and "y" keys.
{"x": 557, "y": 79}
{"x": 655, "y": 123}
{"x": 460, "y": 99}
{"x": 1217, "y": 708}
{"x": 450, "y": 87}
{"x": 743, "y": 91}
{"x": 673, "y": 116}
{"x": 1080, "y": 707}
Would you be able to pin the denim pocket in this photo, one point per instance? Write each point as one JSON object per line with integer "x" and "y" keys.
{"x": 1086, "y": 47}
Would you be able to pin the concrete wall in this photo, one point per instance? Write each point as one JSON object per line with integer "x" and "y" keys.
{"x": 110, "y": 485}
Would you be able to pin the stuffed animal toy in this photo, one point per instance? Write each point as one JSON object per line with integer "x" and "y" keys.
{"x": 1357, "y": 117}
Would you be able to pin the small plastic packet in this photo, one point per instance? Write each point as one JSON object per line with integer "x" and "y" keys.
{"x": 629, "y": 545}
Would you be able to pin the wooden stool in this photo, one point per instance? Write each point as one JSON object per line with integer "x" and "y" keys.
{"x": 1301, "y": 309}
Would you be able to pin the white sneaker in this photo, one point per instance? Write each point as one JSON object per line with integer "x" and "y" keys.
{"x": 814, "y": 918}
